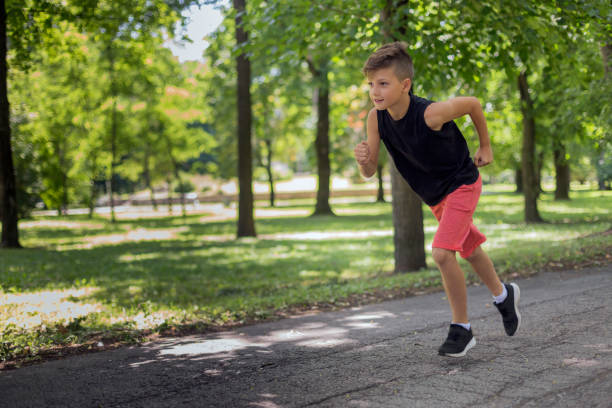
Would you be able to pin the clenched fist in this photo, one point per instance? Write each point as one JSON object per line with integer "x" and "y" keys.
{"x": 483, "y": 156}
{"x": 362, "y": 153}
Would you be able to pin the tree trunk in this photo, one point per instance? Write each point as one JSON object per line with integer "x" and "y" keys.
{"x": 601, "y": 176}
{"x": 562, "y": 172}
{"x": 8, "y": 185}
{"x": 64, "y": 173}
{"x": 530, "y": 186}
{"x": 113, "y": 158}
{"x": 92, "y": 198}
{"x": 380, "y": 196}
{"x": 64, "y": 193}
{"x": 177, "y": 176}
{"x": 268, "y": 167}
{"x": 182, "y": 195}
{"x": 107, "y": 187}
{"x": 518, "y": 178}
{"x": 152, "y": 195}
{"x": 246, "y": 222}
{"x": 58, "y": 152}
{"x": 539, "y": 166}
{"x": 169, "y": 184}
{"x": 606, "y": 54}
{"x": 93, "y": 190}
{"x": 147, "y": 176}
{"x": 321, "y": 99}
{"x": 113, "y": 132}
{"x": 408, "y": 237}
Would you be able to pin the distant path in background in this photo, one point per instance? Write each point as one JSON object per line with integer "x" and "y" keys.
{"x": 218, "y": 208}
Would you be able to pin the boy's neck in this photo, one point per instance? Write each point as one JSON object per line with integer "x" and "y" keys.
{"x": 399, "y": 109}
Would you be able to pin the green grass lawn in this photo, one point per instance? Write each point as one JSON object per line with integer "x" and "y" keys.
{"x": 82, "y": 281}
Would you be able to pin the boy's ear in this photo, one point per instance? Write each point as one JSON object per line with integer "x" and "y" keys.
{"x": 406, "y": 84}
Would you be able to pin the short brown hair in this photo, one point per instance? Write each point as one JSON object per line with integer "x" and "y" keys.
{"x": 392, "y": 54}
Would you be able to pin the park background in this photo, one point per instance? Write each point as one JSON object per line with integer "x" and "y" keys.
{"x": 148, "y": 194}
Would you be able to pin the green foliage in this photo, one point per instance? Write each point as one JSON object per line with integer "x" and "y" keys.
{"x": 28, "y": 22}
{"x": 65, "y": 103}
{"x": 29, "y": 186}
{"x": 217, "y": 87}
{"x": 25, "y": 156}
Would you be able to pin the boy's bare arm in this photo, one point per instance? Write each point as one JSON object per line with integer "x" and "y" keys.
{"x": 366, "y": 153}
{"x": 438, "y": 113}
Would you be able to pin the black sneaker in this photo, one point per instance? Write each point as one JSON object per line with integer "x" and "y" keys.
{"x": 458, "y": 342}
{"x": 509, "y": 309}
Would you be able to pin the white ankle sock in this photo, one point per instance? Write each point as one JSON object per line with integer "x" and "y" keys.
{"x": 466, "y": 326}
{"x": 499, "y": 299}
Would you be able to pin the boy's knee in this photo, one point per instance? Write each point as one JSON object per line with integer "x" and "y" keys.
{"x": 442, "y": 256}
{"x": 474, "y": 255}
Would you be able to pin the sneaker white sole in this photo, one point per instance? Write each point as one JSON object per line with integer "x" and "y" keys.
{"x": 517, "y": 297}
{"x": 471, "y": 344}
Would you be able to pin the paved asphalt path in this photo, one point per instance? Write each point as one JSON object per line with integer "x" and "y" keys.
{"x": 382, "y": 355}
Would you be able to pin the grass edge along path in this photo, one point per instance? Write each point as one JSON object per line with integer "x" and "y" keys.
{"x": 587, "y": 251}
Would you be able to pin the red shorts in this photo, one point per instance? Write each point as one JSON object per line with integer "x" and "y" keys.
{"x": 457, "y": 231}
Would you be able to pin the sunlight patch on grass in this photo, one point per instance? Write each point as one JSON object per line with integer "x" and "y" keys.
{"x": 275, "y": 212}
{"x": 127, "y": 258}
{"x": 216, "y": 238}
{"x": 499, "y": 188}
{"x": 60, "y": 224}
{"x": 328, "y": 235}
{"x": 503, "y": 210}
{"x": 526, "y": 238}
{"x": 136, "y": 235}
{"x": 30, "y": 310}
{"x": 366, "y": 262}
{"x": 591, "y": 211}
{"x": 141, "y": 320}
{"x": 349, "y": 274}
{"x": 500, "y": 226}
{"x": 310, "y": 274}
{"x": 362, "y": 211}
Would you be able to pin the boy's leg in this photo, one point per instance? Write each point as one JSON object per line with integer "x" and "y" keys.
{"x": 454, "y": 214}
{"x": 506, "y": 304}
{"x": 482, "y": 265}
{"x": 454, "y": 283}
{"x": 460, "y": 338}
{"x": 455, "y": 234}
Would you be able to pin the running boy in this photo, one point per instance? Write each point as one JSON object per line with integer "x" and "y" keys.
{"x": 432, "y": 155}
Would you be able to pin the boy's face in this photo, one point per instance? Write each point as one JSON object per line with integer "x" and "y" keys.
{"x": 385, "y": 88}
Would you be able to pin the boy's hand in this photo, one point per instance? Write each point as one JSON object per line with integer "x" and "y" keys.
{"x": 483, "y": 156}
{"x": 362, "y": 153}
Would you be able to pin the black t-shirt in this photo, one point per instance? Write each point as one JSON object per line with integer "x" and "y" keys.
{"x": 434, "y": 163}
